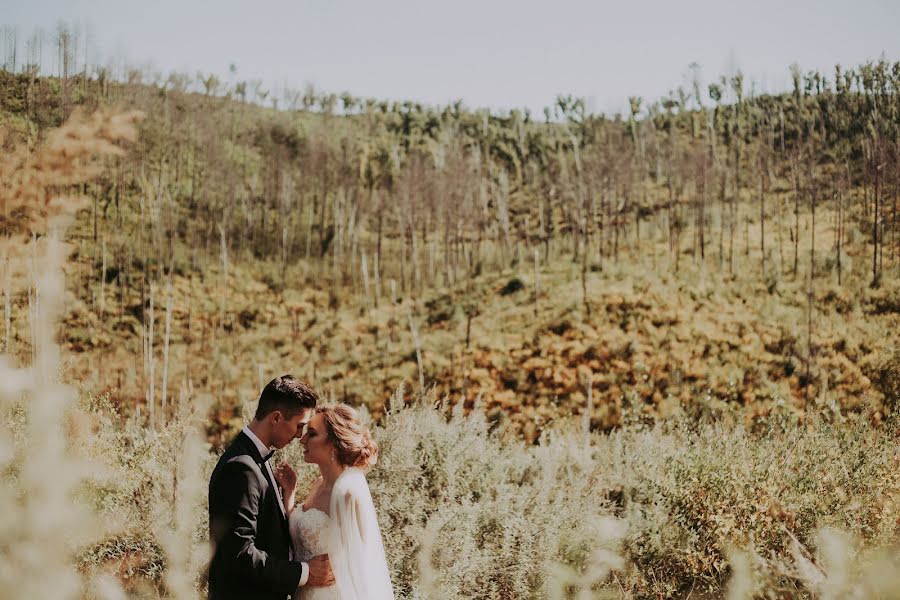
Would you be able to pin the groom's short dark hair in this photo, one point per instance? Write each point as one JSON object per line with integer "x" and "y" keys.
{"x": 286, "y": 394}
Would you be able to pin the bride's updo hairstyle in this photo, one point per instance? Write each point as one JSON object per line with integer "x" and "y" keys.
{"x": 351, "y": 439}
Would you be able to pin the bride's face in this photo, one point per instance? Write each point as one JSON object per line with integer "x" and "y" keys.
{"x": 317, "y": 448}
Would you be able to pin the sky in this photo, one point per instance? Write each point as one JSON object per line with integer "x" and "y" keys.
{"x": 496, "y": 54}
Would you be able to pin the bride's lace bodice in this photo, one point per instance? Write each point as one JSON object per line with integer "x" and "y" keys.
{"x": 312, "y": 534}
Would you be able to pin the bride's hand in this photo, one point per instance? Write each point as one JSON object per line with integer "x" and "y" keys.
{"x": 286, "y": 478}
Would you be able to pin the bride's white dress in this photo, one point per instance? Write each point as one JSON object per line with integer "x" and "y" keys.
{"x": 350, "y": 537}
{"x": 312, "y": 534}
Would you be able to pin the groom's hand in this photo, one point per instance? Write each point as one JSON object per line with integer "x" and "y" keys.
{"x": 286, "y": 477}
{"x": 320, "y": 574}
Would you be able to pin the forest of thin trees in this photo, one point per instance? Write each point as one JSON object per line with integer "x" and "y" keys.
{"x": 366, "y": 191}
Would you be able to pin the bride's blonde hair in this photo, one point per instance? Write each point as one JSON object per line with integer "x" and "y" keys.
{"x": 351, "y": 439}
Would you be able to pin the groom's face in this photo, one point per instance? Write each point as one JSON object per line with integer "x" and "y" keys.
{"x": 286, "y": 429}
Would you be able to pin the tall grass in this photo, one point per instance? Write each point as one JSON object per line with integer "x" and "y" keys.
{"x": 789, "y": 509}
{"x": 42, "y": 520}
{"x": 56, "y": 444}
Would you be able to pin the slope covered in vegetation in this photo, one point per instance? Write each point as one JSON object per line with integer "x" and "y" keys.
{"x": 714, "y": 244}
{"x": 731, "y": 270}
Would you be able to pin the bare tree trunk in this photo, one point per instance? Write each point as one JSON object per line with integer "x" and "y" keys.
{"x": 882, "y": 221}
{"x": 839, "y": 196}
{"x": 377, "y": 273}
{"x": 894, "y": 236}
{"x": 189, "y": 339}
{"x": 734, "y": 209}
{"x": 796, "y": 232}
{"x": 670, "y": 212}
{"x": 780, "y": 233}
{"x": 702, "y": 215}
{"x": 537, "y": 286}
{"x": 224, "y": 254}
{"x": 7, "y": 308}
{"x": 616, "y": 227}
{"x": 365, "y": 276}
{"x": 309, "y": 224}
{"x": 103, "y": 281}
{"x": 417, "y": 341}
{"x": 762, "y": 223}
{"x": 403, "y": 246}
{"x": 584, "y": 292}
{"x": 866, "y": 166}
{"x": 546, "y": 215}
{"x": 588, "y": 409}
{"x": 152, "y": 364}
{"x": 723, "y": 183}
{"x": 812, "y": 242}
{"x": 416, "y": 285}
{"x": 165, "y": 375}
{"x": 809, "y": 331}
{"x": 875, "y": 231}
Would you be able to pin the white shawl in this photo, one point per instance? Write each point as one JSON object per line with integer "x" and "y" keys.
{"x": 358, "y": 559}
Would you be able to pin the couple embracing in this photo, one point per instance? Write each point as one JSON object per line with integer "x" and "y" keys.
{"x": 267, "y": 545}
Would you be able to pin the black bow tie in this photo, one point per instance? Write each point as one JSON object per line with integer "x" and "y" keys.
{"x": 268, "y": 456}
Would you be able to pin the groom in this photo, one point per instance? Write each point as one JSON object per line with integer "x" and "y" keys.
{"x": 248, "y": 528}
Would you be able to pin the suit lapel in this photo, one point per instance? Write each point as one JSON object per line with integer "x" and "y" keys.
{"x": 253, "y": 451}
{"x": 249, "y": 447}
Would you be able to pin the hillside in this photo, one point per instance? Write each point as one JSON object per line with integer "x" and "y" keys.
{"x": 685, "y": 258}
{"x": 633, "y": 387}
{"x": 654, "y": 344}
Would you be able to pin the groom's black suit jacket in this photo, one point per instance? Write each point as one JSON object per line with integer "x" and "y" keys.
{"x": 249, "y": 535}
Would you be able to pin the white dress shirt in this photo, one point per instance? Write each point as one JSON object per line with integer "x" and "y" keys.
{"x": 263, "y": 451}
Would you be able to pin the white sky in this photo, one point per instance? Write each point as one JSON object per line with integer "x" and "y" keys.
{"x": 501, "y": 54}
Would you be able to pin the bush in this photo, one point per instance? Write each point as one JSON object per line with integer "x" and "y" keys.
{"x": 885, "y": 375}
{"x": 440, "y": 309}
{"x": 469, "y": 513}
{"x": 495, "y": 518}
{"x": 512, "y": 286}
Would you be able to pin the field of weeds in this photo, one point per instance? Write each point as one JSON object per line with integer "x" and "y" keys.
{"x": 794, "y": 509}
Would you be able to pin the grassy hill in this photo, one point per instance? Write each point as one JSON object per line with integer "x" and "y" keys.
{"x": 677, "y": 260}
{"x": 700, "y": 388}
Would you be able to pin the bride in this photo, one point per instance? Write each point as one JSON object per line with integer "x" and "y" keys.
{"x": 338, "y": 517}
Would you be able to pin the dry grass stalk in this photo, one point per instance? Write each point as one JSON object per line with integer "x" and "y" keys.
{"x": 43, "y": 521}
